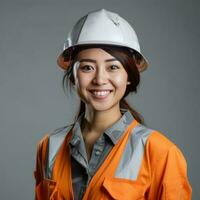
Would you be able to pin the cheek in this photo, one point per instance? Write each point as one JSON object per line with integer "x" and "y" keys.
{"x": 82, "y": 81}
{"x": 120, "y": 81}
{"x": 81, "y": 84}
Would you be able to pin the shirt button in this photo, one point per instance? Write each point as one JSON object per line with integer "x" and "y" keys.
{"x": 97, "y": 153}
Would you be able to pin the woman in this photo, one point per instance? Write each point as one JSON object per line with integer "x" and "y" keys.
{"x": 108, "y": 153}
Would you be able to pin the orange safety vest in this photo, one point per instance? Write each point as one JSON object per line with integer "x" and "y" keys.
{"x": 167, "y": 182}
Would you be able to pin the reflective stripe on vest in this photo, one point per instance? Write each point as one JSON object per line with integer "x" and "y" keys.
{"x": 55, "y": 141}
{"x": 133, "y": 153}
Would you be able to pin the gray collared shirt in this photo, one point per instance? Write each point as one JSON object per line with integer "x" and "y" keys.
{"x": 82, "y": 168}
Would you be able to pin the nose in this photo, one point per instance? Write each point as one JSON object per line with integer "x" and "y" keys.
{"x": 101, "y": 77}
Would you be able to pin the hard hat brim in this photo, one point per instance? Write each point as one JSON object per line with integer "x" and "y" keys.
{"x": 64, "y": 64}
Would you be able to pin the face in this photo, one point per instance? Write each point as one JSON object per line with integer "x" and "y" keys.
{"x": 101, "y": 79}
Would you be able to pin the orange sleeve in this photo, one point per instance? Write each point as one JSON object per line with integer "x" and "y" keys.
{"x": 171, "y": 176}
{"x": 40, "y": 161}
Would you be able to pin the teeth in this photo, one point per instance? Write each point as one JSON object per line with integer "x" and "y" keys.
{"x": 100, "y": 93}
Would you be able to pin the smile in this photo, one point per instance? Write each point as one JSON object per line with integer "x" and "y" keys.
{"x": 100, "y": 93}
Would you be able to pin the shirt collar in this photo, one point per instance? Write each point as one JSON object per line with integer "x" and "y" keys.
{"x": 114, "y": 132}
{"x": 117, "y": 129}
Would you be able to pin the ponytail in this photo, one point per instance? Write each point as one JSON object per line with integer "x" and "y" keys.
{"x": 138, "y": 117}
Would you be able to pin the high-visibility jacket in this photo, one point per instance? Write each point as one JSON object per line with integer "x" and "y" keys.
{"x": 143, "y": 164}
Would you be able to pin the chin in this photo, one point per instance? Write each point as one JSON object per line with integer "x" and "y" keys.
{"x": 103, "y": 106}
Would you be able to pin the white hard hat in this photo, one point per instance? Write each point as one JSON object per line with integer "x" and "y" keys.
{"x": 102, "y": 27}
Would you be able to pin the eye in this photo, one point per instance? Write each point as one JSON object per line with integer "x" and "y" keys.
{"x": 86, "y": 68}
{"x": 113, "y": 67}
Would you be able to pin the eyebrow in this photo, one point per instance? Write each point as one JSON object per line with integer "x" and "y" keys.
{"x": 94, "y": 61}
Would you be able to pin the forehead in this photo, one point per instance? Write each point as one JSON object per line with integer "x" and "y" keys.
{"x": 94, "y": 53}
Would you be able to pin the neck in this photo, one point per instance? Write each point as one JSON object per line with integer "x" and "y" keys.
{"x": 98, "y": 121}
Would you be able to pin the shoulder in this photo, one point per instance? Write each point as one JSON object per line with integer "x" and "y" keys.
{"x": 49, "y": 145}
{"x": 161, "y": 153}
{"x": 155, "y": 143}
{"x": 160, "y": 149}
{"x": 160, "y": 144}
{"x": 54, "y": 136}
{"x": 158, "y": 141}
{"x": 153, "y": 139}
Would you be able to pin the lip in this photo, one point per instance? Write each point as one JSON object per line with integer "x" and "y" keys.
{"x": 99, "y": 90}
{"x": 100, "y": 94}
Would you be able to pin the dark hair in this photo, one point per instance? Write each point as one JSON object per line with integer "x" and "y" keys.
{"x": 125, "y": 56}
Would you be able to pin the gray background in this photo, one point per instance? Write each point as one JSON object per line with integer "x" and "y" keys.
{"x": 32, "y": 101}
